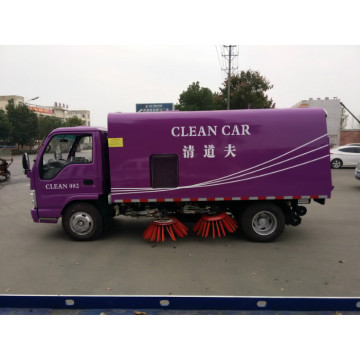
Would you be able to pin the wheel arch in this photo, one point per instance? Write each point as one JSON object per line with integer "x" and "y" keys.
{"x": 98, "y": 201}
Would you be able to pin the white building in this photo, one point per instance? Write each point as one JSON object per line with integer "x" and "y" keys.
{"x": 84, "y": 115}
{"x": 4, "y": 100}
{"x": 334, "y": 111}
{"x": 59, "y": 110}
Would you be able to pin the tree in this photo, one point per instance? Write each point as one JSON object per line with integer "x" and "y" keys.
{"x": 5, "y": 126}
{"x": 196, "y": 98}
{"x": 24, "y": 124}
{"x": 46, "y": 124}
{"x": 73, "y": 121}
{"x": 247, "y": 90}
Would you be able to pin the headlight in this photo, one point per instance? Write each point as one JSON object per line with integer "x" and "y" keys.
{"x": 33, "y": 199}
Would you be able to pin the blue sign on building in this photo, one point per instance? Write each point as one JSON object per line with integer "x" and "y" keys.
{"x": 154, "y": 107}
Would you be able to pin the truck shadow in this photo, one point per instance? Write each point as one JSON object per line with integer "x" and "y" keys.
{"x": 132, "y": 229}
{"x": 125, "y": 230}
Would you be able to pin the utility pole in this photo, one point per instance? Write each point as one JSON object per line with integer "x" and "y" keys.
{"x": 229, "y": 77}
{"x": 232, "y": 53}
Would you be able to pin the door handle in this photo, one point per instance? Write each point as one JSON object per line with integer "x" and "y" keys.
{"x": 88, "y": 182}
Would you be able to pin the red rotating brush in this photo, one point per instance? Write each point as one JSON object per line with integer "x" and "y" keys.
{"x": 173, "y": 226}
{"x": 217, "y": 223}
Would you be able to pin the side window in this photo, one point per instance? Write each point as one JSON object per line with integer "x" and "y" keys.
{"x": 164, "y": 170}
{"x": 64, "y": 150}
{"x": 83, "y": 150}
{"x": 350, "y": 150}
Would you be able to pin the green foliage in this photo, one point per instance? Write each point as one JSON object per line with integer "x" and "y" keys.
{"x": 46, "y": 124}
{"x": 24, "y": 124}
{"x": 5, "y": 126}
{"x": 247, "y": 90}
{"x": 195, "y": 98}
{"x": 73, "y": 121}
{"x": 20, "y": 125}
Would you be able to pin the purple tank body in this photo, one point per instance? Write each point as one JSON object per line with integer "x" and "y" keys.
{"x": 222, "y": 155}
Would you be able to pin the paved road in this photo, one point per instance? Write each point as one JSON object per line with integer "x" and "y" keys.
{"x": 321, "y": 257}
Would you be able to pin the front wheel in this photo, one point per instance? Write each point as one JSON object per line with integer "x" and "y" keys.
{"x": 82, "y": 222}
{"x": 263, "y": 222}
{"x": 336, "y": 164}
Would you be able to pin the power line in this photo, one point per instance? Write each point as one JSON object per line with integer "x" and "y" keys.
{"x": 222, "y": 62}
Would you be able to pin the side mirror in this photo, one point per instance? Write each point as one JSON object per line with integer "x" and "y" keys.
{"x": 26, "y": 163}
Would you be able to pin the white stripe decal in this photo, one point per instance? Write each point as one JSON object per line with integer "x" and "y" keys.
{"x": 235, "y": 177}
{"x": 158, "y": 190}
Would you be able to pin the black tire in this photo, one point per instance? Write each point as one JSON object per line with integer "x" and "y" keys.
{"x": 82, "y": 222}
{"x": 336, "y": 164}
{"x": 262, "y": 222}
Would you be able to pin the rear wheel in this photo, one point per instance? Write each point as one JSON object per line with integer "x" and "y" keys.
{"x": 82, "y": 222}
{"x": 263, "y": 222}
{"x": 336, "y": 164}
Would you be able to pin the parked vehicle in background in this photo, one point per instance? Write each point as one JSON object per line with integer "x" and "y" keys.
{"x": 346, "y": 155}
{"x": 6, "y": 159}
{"x": 357, "y": 171}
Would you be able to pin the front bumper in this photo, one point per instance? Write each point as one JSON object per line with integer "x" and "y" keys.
{"x": 34, "y": 215}
{"x": 47, "y": 220}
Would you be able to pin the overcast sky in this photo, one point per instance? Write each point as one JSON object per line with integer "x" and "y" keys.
{"x": 136, "y": 68}
{"x": 106, "y": 79}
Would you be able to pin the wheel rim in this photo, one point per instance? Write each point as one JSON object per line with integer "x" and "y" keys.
{"x": 81, "y": 223}
{"x": 336, "y": 164}
{"x": 264, "y": 223}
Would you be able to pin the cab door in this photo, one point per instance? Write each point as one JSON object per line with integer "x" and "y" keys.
{"x": 67, "y": 170}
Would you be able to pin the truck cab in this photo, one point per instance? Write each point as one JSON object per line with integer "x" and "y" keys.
{"x": 71, "y": 167}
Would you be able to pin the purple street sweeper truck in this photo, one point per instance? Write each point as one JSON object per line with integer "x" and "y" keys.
{"x": 240, "y": 169}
